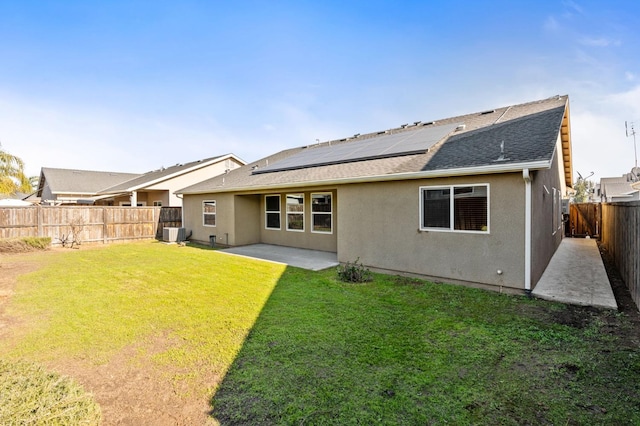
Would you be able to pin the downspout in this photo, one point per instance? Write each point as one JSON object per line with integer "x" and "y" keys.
{"x": 527, "y": 230}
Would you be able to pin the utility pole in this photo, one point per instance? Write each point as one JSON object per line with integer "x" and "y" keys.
{"x": 630, "y": 130}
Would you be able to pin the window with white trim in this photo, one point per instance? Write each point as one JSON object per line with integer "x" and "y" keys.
{"x": 463, "y": 208}
{"x": 321, "y": 213}
{"x": 157, "y": 204}
{"x": 209, "y": 213}
{"x": 295, "y": 212}
{"x": 272, "y": 211}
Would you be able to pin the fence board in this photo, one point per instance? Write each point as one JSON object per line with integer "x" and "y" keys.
{"x": 620, "y": 235}
{"x": 101, "y": 223}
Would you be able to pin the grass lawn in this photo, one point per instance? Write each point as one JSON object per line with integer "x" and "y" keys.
{"x": 290, "y": 346}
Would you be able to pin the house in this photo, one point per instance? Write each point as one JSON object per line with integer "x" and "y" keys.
{"x": 72, "y": 186}
{"x": 154, "y": 188}
{"x": 474, "y": 199}
{"x": 623, "y": 188}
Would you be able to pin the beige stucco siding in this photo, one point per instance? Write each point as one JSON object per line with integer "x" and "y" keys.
{"x": 380, "y": 225}
{"x": 546, "y": 234}
{"x": 247, "y": 219}
{"x": 301, "y": 239}
{"x": 194, "y": 222}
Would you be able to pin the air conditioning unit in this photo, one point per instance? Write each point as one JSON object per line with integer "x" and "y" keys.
{"x": 174, "y": 235}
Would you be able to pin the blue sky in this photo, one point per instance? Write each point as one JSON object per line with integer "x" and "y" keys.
{"x": 135, "y": 85}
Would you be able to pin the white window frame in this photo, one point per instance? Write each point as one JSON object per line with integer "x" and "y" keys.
{"x": 267, "y": 212}
{"x": 330, "y": 213}
{"x": 214, "y": 214}
{"x": 157, "y": 203}
{"x": 554, "y": 209}
{"x": 451, "y": 189}
{"x": 287, "y": 212}
{"x": 128, "y": 204}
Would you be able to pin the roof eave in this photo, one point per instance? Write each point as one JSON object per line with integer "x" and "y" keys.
{"x": 429, "y": 174}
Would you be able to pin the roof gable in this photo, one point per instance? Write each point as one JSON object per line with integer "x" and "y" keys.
{"x": 525, "y": 139}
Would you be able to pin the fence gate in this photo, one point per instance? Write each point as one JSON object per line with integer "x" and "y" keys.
{"x": 585, "y": 219}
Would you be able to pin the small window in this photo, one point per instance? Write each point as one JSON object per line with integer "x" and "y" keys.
{"x": 455, "y": 208}
{"x": 209, "y": 213}
{"x": 295, "y": 212}
{"x": 272, "y": 211}
{"x": 157, "y": 204}
{"x": 321, "y": 213}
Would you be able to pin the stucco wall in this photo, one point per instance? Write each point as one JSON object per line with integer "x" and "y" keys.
{"x": 305, "y": 239}
{"x": 545, "y": 236}
{"x": 380, "y": 225}
{"x": 193, "y": 218}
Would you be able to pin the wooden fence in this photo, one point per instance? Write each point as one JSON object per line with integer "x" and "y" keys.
{"x": 620, "y": 235}
{"x": 584, "y": 219}
{"x": 99, "y": 224}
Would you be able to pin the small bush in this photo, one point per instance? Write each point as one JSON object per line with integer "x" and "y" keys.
{"x": 33, "y": 396}
{"x": 25, "y": 244}
{"x": 354, "y": 272}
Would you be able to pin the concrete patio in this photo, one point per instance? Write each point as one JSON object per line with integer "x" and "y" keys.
{"x": 314, "y": 260}
{"x": 576, "y": 275}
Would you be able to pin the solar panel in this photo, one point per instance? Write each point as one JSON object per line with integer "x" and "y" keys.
{"x": 382, "y": 146}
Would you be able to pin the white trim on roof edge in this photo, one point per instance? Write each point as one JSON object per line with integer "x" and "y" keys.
{"x": 502, "y": 168}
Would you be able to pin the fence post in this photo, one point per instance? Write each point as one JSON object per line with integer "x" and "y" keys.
{"x": 104, "y": 225}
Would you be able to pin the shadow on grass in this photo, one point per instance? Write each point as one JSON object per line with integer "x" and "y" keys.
{"x": 404, "y": 351}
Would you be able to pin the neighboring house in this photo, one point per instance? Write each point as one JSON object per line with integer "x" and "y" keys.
{"x": 155, "y": 188}
{"x": 623, "y": 188}
{"x": 71, "y": 187}
{"x": 474, "y": 199}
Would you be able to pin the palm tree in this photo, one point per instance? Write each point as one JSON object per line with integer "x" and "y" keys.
{"x": 12, "y": 177}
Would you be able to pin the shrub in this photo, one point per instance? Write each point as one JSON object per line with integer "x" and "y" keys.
{"x": 31, "y": 395}
{"x": 24, "y": 244}
{"x": 354, "y": 272}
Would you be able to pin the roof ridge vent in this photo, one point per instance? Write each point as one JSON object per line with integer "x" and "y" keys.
{"x": 429, "y": 123}
{"x": 490, "y": 111}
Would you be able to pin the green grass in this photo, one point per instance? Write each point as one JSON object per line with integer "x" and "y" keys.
{"x": 90, "y": 304}
{"x": 300, "y": 347}
{"x": 32, "y": 396}
{"x": 402, "y": 351}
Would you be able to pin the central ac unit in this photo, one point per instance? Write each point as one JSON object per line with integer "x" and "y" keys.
{"x": 174, "y": 235}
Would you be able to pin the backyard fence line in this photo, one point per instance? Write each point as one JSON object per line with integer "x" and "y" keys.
{"x": 100, "y": 224}
{"x": 620, "y": 236}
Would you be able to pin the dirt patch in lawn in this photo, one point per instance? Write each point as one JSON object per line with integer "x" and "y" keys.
{"x": 10, "y": 268}
{"x": 130, "y": 388}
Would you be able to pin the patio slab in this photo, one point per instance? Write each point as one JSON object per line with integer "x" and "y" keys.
{"x": 576, "y": 275}
{"x": 314, "y": 260}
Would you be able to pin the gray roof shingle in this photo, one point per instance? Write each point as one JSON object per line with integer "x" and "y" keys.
{"x": 529, "y": 131}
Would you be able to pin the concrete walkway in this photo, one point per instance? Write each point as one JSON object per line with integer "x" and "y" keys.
{"x": 576, "y": 275}
{"x": 314, "y": 260}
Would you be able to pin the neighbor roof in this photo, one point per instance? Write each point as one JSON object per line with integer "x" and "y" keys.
{"x": 617, "y": 187}
{"x": 162, "y": 174}
{"x": 500, "y": 140}
{"x": 73, "y": 181}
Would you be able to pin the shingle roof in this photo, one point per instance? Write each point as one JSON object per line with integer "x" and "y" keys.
{"x": 73, "y": 181}
{"x": 157, "y": 175}
{"x": 529, "y": 131}
{"x": 616, "y": 186}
